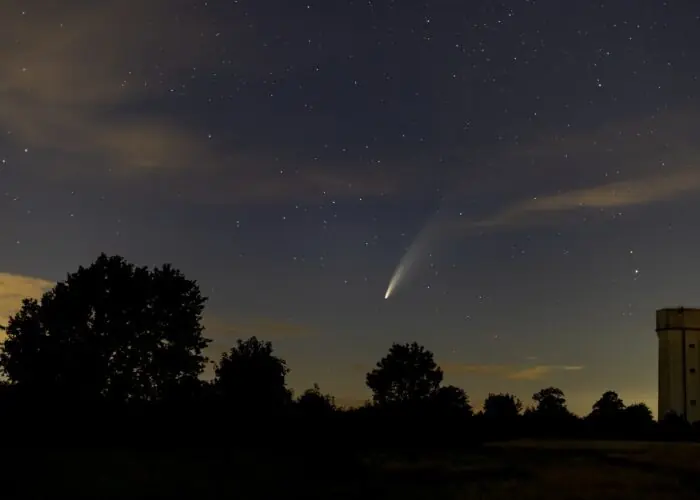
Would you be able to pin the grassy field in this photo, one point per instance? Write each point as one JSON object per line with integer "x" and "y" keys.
{"x": 522, "y": 470}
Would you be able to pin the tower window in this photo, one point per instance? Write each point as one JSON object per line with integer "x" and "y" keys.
{"x": 691, "y": 346}
{"x": 693, "y": 402}
{"x": 692, "y": 370}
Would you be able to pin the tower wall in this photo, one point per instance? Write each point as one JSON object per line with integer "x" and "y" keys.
{"x": 678, "y": 331}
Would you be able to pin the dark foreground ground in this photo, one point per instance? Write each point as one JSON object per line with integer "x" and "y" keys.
{"x": 522, "y": 469}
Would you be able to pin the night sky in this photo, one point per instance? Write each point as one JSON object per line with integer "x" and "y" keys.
{"x": 286, "y": 154}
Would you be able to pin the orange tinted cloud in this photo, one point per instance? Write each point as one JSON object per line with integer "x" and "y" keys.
{"x": 78, "y": 80}
{"x": 65, "y": 68}
{"x": 670, "y": 133}
{"x": 509, "y": 372}
{"x": 254, "y": 181}
{"x": 631, "y": 162}
{"x": 14, "y": 288}
{"x": 226, "y": 332}
{"x": 639, "y": 191}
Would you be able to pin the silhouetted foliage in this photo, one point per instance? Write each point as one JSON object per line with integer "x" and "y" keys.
{"x": 607, "y": 417}
{"x": 500, "y": 417}
{"x": 550, "y": 402}
{"x": 638, "y": 419}
{"x": 452, "y": 400}
{"x": 550, "y": 416}
{"x": 408, "y": 374}
{"x": 314, "y": 403}
{"x": 609, "y": 405}
{"x": 252, "y": 379}
{"x": 502, "y": 406}
{"x": 123, "y": 346}
{"x": 110, "y": 332}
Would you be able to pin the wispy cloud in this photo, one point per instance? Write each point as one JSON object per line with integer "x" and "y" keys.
{"x": 88, "y": 82}
{"x": 66, "y": 71}
{"x": 670, "y": 133}
{"x": 538, "y": 372}
{"x": 248, "y": 183}
{"x": 634, "y": 161}
{"x": 640, "y": 191}
{"x": 225, "y": 332}
{"x": 14, "y": 288}
{"x": 509, "y": 372}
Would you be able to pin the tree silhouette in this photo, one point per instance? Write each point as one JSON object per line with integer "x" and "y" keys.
{"x": 502, "y": 406}
{"x": 451, "y": 399}
{"x": 638, "y": 418}
{"x": 252, "y": 379}
{"x": 109, "y": 332}
{"x": 316, "y": 404}
{"x": 639, "y": 412}
{"x": 550, "y": 402}
{"x": 407, "y": 374}
{"x": 607, "y": 415}
{"x": 608, "y": 406}
{"x": 550, "y": 416}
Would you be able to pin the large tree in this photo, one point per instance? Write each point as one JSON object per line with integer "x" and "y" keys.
{"x": 111, "y": 331}
{"x": 452, "y": 399}
{"x": 550, "y": 402}
{"x": 638, "y": 416}
{"x": 502, "y": 406}
{"x": 251, "y": 378}
{"x": 314, "y": 403}
{"x": 608, "y": 406}
{"x": 407, "y": 374}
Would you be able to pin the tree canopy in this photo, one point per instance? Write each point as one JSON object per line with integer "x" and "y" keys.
{"x": 250, "y": 377}
{"x": 110, "y": 331}
{"x": 608, "y": 405}
{"x": 314, "y": 403}
{"x": 550, "y": 402}
{"x": 638, "y": 416}
{"x": 407, "y": 374}
{"x": 452, "y": 399}
{"x": 502, "y": 406}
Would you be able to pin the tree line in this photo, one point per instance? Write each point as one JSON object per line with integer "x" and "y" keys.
{"x": 116, "y": 351}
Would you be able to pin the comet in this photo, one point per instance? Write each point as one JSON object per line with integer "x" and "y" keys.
{"x": 419, "y": 248}
{"x": 395, "y": 279}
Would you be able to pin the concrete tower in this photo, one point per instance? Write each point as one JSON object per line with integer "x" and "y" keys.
{"x": 679, "y": 361}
